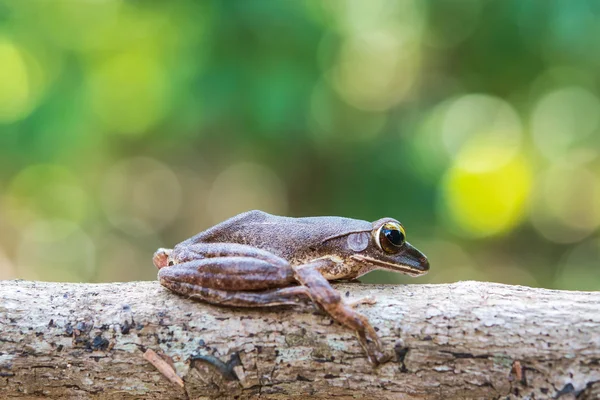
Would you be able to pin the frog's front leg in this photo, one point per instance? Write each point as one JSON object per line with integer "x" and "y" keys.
{"x": 330, "y": 300}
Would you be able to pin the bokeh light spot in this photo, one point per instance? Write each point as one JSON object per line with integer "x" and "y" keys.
{"x": 377, "y": 69}
{"x": 563, "y": 119}
{"x": 566, "y": 203}
{"x": 45, "y": 191}
{"x": 129, "y": 93}
{"x": 77, "y": 25}
{"x": 380, "y": 51}
{"x": 478, "y": 156}
{"x": 140, "y": 195}
{"x": 486, "y": 120}
{"x": 479, "y": 203}
{"x": 243, "y": 187}
{"x": 15, "y": 87}
{"x": 352, "y": 16}
{"x": 56, "y": 250}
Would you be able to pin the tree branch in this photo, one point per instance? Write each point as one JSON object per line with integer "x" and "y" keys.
{"x": 464, "y": 340}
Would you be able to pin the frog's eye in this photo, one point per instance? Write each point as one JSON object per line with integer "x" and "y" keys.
{"x": 391, "y": 237}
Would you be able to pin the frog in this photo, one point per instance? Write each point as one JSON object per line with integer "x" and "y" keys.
{"x": 256, "y": 259}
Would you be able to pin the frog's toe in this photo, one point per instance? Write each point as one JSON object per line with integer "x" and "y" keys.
{"x": 381, "y": 358}
{"x": 161, "y": 258}
{"x": 368, "y": 300}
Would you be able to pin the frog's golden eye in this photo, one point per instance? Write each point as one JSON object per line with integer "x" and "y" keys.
{"x": 391, "y": 237}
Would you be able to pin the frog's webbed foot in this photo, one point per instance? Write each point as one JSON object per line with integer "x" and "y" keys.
{"x": 331, "y": 302}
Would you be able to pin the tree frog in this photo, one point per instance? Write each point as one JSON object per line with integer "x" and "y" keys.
{"x": 257, "y": 259}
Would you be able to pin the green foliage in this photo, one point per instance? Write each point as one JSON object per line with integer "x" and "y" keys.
{"x": 125, "y": 126}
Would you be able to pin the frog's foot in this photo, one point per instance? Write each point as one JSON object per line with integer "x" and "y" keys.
{"x": 161, "y": 258}
{"x": 368, "y": 338}
{"x": 368, "y": 300}
{"x": 331, "y": 302}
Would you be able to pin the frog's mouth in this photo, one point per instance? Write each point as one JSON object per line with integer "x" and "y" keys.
{"x": 410, "y": 261}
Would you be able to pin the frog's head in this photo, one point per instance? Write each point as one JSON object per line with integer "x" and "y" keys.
{"x": 388, "y": 249}
{"x": 384, "y": 247}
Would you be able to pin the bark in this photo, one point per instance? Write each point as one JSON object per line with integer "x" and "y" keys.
{"x": 463, "y": 340}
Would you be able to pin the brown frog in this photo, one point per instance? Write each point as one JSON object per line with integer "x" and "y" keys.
{"x": 257, "y": 259}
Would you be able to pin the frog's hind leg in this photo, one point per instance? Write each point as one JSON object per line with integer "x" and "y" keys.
{"x": 287, "y": 296}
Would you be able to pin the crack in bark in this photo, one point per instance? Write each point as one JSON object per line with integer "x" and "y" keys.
{"x": 225, "y": 369}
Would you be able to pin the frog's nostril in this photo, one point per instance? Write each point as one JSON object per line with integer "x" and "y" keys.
{"x": 424, "y": 264}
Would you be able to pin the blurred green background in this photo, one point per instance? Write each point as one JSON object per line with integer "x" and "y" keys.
{"x": 129, "y": 125}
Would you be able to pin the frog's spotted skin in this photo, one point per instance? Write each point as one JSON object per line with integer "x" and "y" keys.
{"x": 256, "y": 260}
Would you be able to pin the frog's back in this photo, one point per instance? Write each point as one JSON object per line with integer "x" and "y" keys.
{"x": 284, "y": 236}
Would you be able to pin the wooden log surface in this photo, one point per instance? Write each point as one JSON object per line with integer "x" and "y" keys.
{"x": 467, "y": 340}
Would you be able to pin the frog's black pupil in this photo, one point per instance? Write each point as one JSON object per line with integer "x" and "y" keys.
{"x": 394, "y": 236}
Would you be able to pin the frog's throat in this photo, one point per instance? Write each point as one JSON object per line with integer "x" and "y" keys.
{"x": 403, "y": 268}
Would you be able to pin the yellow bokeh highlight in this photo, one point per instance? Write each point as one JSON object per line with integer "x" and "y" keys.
{"x": 129, "y": 93}
{"x": 129, "y": 195}
{"x": 480, "y": 202}
{"x": 490, "y": 120}
{"x": 563, "y": 119}
{"x": 74, "y": 25}
{"x": 15, "y": 88}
